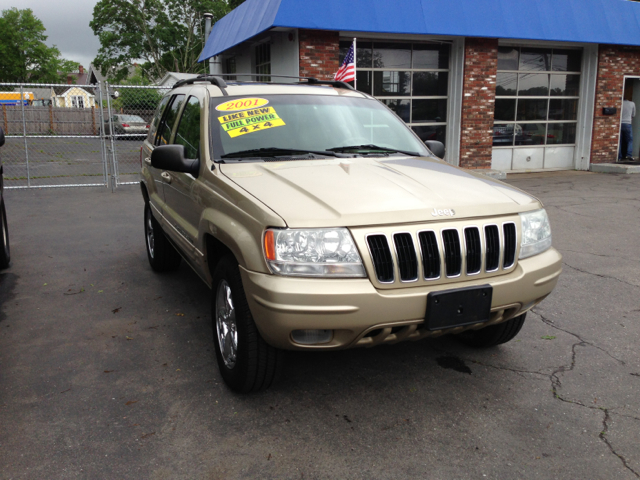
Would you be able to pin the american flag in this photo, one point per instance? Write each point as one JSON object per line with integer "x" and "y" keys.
{"x": 347, "y": 71}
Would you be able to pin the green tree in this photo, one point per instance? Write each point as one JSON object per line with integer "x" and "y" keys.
{"x": 25, "y": 56}
{"x": 166, "y": 35}
{"x": 135, "y": 100}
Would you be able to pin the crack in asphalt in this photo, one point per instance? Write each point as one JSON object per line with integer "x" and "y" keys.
{"x": 600, "y": 275}
{"x": 513, "y": 370}
{"x": 601, "y": 255}
{"x": 573, "y": 213}
{"x": 556, "y": 383}
{"x": 582, "y": 341}
{"x": 603, "y": 436}
{"x": 488, "y": 365}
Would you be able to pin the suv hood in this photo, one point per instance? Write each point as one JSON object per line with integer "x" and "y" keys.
{"x": 374, "y": 191}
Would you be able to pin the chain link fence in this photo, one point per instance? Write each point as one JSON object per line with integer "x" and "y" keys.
{"x": 130, "y": 111}
{"x": 61, "y": 135}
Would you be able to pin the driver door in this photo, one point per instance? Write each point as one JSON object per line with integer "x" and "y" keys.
{"x": 183, "y": 206}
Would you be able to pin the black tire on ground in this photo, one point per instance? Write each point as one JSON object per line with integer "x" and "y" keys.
{"x": 163, "y": 257}
{"x": 5, "y": 256}
{"x": 247, "y": 363}
{"x": 493, "y": 335}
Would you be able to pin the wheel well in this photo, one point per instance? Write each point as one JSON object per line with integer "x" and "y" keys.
{"x": 215, "y": 251}
{"x": 145, "y": 194}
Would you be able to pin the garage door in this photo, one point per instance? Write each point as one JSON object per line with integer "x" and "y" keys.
{"x": 536, "y": 108}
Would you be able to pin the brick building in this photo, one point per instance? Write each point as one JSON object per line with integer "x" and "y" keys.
{"x": 511, "y": 85}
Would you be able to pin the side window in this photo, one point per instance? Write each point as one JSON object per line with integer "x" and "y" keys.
{"x": 168, "y": 120}
{"x": 188, "y": 133}
{"x": 156, "y": 118}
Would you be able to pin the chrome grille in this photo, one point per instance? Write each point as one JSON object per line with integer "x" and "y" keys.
{"x": 407, "y": 259}
{"x": 381, "y": 256}
{"x": 492, "y": 238}
{"x": 452, "y": 254}
{"x": 430, "y": 255}
{"x": 442, "y": 254}
{"x": 509, "y": 244}
{"x": 474, "y": 250}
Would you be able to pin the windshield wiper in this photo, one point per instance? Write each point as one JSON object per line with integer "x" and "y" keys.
{"x": 275, "y": 152}
{"x": 371, "y": 147}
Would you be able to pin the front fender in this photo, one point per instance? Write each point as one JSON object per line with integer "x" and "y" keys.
{"x": 242, "y": 237}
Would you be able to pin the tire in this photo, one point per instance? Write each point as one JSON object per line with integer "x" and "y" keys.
{"x": 493, "y": 335}
{"x": 5, "y": 256}
{"x": 163, "y": 257}
{"x": 246, "y": 362}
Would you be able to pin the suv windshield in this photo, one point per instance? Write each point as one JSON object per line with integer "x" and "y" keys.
{"x": 319, "y": 124}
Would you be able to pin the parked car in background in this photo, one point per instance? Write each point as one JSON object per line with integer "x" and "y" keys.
{"x": 4, "y": 237}
{"x": 124, "y": 124}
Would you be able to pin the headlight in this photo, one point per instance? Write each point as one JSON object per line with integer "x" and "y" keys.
{"x": 321, "y": 252}
{"x": 536, "y": 233}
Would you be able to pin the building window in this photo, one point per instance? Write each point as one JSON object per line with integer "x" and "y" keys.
{"x": 263, "y": 61}
{"x": 230, "y": 67}
{"x": 412, "y": 79}
{"x": 77, "y": 101}
{"x": 537, "y": 93}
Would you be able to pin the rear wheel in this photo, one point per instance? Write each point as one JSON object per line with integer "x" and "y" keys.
{"x": 163, "y": 256}
{"x": 493, "y": 335}
{"x": 246, "y": 362}
{"x": 4, "y": 238}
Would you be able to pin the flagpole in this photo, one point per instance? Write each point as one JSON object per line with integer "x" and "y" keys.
{"x": 355, "y": 61}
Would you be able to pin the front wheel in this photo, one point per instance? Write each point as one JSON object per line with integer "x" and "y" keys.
{"x": 493, "y": 335}
{"x": 163, "y": 257}
{"x": 246, "y": 362}
{"x": 4, "y": 238}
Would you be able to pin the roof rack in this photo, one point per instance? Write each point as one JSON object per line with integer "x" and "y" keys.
{"x": 213, "y": 79}
{"x": 309, "y": 80}
{"x": 335, "y": 83}
{"x": 222, "y": 85}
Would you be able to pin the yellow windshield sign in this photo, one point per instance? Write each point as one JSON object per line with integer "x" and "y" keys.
{"x": 242, "y": 104}
{"x": 241, "y": 123}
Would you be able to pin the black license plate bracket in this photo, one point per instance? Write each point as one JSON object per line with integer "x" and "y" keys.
{"x": 458, "y": 307}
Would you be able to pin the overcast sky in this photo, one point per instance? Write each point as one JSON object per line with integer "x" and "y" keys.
{"x": 67, "y": 24}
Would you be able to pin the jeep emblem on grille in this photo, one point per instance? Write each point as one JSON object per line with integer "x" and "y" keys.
{"x": 447, "y": 212}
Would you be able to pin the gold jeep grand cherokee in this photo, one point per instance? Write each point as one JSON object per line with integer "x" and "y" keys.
{"x": 321, "y": 221}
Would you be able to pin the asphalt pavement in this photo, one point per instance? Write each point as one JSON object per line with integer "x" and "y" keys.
{"x": 107, "y": 369}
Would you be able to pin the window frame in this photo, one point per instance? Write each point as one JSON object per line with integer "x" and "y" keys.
{"x": 548, "y": 98}
{"x": 163, "y": 121}
{"x": 262, "y": 57}
{"x": 77, "y": 101}
{"x": 179, "y": 123}
{"x": 411, "y": 70}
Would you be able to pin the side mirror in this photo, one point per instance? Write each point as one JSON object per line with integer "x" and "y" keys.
{"x": 171, "y": 157}
{"x": 1, "y": 137}
{"x": 436, "y": 147}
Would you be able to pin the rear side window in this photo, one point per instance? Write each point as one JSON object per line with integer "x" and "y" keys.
{"x": 156, "y": 118}
{"x": 188, "y": 133}
{"x": 169, "y": 120}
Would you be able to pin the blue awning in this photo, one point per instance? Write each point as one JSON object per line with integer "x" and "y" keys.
{"x": 585, "y": 21}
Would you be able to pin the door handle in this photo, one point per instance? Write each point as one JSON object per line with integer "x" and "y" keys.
{"x": 147, "y": 160}
{"x": 166, "y": 176}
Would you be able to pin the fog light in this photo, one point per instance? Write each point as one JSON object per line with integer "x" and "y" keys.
{"x": 312, "y": 337}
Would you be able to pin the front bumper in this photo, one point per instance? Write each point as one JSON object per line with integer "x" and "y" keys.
{"x": 361, "y": 315}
